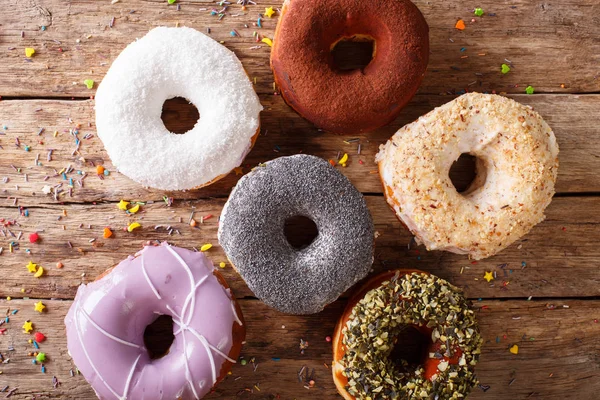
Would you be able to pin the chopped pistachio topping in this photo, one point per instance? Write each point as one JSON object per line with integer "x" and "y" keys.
{"x": 383, "y": 313}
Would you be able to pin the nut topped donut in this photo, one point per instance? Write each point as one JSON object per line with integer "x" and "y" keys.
{"x": 107, "y": 320}
{"x": 251, "y": 231}
{"x": 167, "y": 63}
{"x": 370, "y": 331}
{"x": 517, "y": 165}
{"x": 349, "y": 101}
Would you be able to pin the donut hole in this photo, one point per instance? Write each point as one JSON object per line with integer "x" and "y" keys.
{"x": 353, "y": 53}
{"x": 158, "y": 337}
{"x": 179, "y": 115}
{"x": 410, "y": 349}
{"x": 467, "y": 173}
{"x": 300, "y": 231}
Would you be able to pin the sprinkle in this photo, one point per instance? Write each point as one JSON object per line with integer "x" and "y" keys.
{"x": 488, "y": 276}
{"x": 100, "y": 170}
{"x": 460, "y": 25}
{"x": 39, "y": 337}
{"x": 31, "y": 267}
{"x": 222, "y": 264}
{"x": 269, "y": 12}
{"x": 505, "y": 68}
{"x": 529, "y": 90}
{"x": 206, "y": 247}
{"x": 259, "y": 22}
{"x": 29, "y": 51}
{"x": 106, "y": 233}
{"x": 33, "y": 237}
{"x": 27, "y": 327}
{"x": 243, "y": 362}
{"x": 39, "y": 272}
{"x": 123, "y": 205}
{"x": 133, "y": 226}
{"x": 134, "y": 209}
{"x": 39, "y": 306}
{"x": 89, "y": 83}
{"x": 267, "y": 41}
{"x": 478, "y": 12}
{"x": 343, "y": 160}
{"x": 41, "y": 357}
{"x": 171, "y": 1}
{"x": 514, "y": 349}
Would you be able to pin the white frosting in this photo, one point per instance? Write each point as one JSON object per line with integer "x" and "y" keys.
{"x": 167, "y": 63}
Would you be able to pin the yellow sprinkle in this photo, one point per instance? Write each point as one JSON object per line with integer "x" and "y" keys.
{"x": 122, "y": 204}
{"x": 27, "y": 327}
{"x": 205, "y": 247}
{"x": 22, "y": 290}
{"x": 267, "y": 41}
{"x": 29, "y": 51}
{"x": 344, "y": 159}
{"x": 30, "y": 341}
{"x": 134, "y": 209}
{"x": 39, "y": 306}
{"x": 514, "y": 349}
{"x": 55, "y": 133}
{"x": 269, "y": 12}
{"x": 8, "y": 298}
{"x": 132, "y": 226}
{"x": 222, "y": 264}
{"x": 39, "y": 272}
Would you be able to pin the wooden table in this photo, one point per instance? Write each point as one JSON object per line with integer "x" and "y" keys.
{"x": 545, "y": 298}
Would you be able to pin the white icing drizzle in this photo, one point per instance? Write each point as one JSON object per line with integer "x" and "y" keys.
{"x": 219, "y": 352}
{"x": 88, "y": 356}
{"x": 235, "y": 314}
{"x": 188, "y": 374}
{"x": 189, "y": 297}
{"x": 148, "y": 279}
{"x": 188, "y": 270}
{"x": 105, "y": 333}
{"x": 130, "y": 378}
{"x": 210, "y": 356}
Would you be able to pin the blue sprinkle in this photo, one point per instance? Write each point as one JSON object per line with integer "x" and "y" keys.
{"x": 79, "y": 172}
{"x": 6, "y": 320}
{"x": 26, "y": 213}
{"x": 64, "y": 176}
{"x": 33, "y": 361}
{"x": 4, "y": 127}
{"x": 276, "y": 359}
{"x": 76, "y": 141}
{"x": 213, "y": 13}
{"x": 36, "y": 345}
{"x": 463, "y": 49}
{"x": 43, "y": 369}
{"x": 497, "y": 339}
{"x": 70, "y": 181}
{"x": 106, "y": 172}
{"x": 523, "y": 264}
{"x": 418, "y": 257}
{"x": 232, "y": 33}
{"x": 27, "y": 148}
{"x": 480, "y": 299}
{"x": 259, "y": 22}
{"x": 14, "y": 312}
{"x": 43, "y": 27}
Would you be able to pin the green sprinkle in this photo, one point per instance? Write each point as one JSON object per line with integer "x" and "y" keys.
{"x": 171, "y": 1}
{"x": 478, "y": 12}
{"x": 243, "y": 362}
{"x": 505, "y": 68}
{"x": 41, "y": 357}
{"x": 529, "y": 90}
{"x": 89, "y": 83}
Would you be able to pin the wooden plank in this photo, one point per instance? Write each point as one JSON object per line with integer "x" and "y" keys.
{"x": 283, "y": 133}
{"x": 549, "y": 45}
{"x": 560, "y": 255}
{"x": 557, "y": 352}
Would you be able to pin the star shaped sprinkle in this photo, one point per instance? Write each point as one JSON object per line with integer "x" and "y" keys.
{"x": 27, "y": 327}
{"x": 269, "y": 12}
{"x": 489, "y": 276}
{"x": 238, "y": 170}
{"x": 31, "y": 267}
{"x": 123, "y": 205}
{"x": 39, "y": 307}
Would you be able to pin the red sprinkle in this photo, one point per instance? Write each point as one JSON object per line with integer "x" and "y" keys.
{"x": 328, "y": 339}
{"x": 34, "y": 237}
{"x": 39, "y": 337}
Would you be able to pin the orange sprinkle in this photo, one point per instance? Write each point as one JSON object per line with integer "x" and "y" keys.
{"x": 332, "y": 163}
{"x": 460, "y": 25}
{"x": 99, "y": 169}
{"x": 59, "y": 265}
{"x": 193, "y": 222}
{"x": 107, "y": 233}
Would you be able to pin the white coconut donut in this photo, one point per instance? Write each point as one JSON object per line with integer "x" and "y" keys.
{"x": 167, "y": 63}
{"x": 517, "y": 164}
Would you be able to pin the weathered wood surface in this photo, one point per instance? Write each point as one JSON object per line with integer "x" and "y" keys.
{"x": 554, "y": 47}
{"x": 283, "y": 133}
{"x": 550, "y": 44}
{"x": 560, "y": 255}
{"x": 558, "y": 352}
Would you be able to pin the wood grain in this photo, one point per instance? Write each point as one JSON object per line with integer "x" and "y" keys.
{"x": 558, "y": 353}
{"x": 560, "y": 254}
{"x": 283, "y": 133}
{"x": 549, "y": 44}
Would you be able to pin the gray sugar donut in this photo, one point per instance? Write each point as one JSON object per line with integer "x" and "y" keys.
{"x": 251, "y": 231}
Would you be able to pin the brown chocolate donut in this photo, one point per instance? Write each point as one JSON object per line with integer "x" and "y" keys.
{"x": 356, "y": 100}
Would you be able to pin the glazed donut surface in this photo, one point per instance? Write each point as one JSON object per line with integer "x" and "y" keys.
{"x": 517, "y": 165}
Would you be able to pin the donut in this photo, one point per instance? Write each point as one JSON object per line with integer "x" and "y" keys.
{"x": 106, "y": 323}
{"x": 367, "y": 335}
{"x": 349, "y": 101}
{"x": 516, "y": 168}
{"x": 168, "y": 63}
{"x": 251, "y": 232}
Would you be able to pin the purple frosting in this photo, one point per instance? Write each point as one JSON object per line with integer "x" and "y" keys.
{"x": 106, "y": 323}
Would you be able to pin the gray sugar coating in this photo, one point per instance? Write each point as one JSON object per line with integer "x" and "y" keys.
{"x": 251, "y": 231}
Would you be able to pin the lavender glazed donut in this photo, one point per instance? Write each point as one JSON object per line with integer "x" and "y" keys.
{"x": 106, "y": 323}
